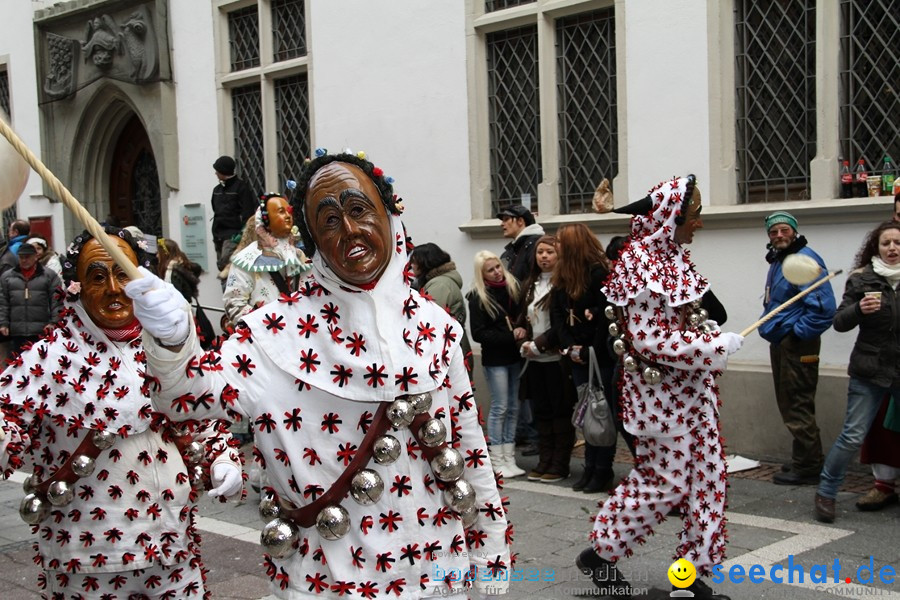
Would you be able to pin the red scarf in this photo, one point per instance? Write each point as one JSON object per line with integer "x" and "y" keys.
{"x": 124, "y": 334}
{"x": 28, "y": 273}
{"x": 495, "y": 284}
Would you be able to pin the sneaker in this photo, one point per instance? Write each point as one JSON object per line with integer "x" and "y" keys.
{"x": 535, "y": 475}
{"x": 553, "y": 477}
{"x": 604, "y": 574}
{"x": 701, "y": 591}
{"x": 875, "y": 499}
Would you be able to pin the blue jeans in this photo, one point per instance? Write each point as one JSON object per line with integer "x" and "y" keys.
{"x": 503, "y": 382}
{"x": 863, "y": 400}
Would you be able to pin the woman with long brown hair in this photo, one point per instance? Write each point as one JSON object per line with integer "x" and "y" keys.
{"x": 576, "y": 313}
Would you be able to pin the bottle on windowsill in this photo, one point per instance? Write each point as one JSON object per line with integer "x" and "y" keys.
{"x": 860, "y": 179}
{"x": 846, "y": 180}
{"x": 888, "y": 176}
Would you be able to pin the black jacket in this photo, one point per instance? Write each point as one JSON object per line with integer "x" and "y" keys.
{"x": 572, "y": 328}
{"x": 26, "y": 307}
{"x": 233, "y": 202}
{"x": 876, "y": 353}
{"x": 518, "y": 255}
{"x": 495, "y": 334}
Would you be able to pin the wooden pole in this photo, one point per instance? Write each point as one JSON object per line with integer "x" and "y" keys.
{"x": 781, "y": 307}
{"x": 89, "y": 222}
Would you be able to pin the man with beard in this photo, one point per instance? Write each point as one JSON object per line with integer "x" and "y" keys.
{"x": 794, "y": 336}
{"x": 379, "y": 479}
{"x": 113, "y": 485}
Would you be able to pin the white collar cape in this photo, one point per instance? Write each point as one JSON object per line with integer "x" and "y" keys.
{"x": 79, "y": 375}
{"x": 366, "y": 345}
{"x": 652, "y": 259}
{"x": 284, "y": 255}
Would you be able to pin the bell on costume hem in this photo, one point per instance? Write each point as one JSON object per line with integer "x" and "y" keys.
{"x": 421, "y": 403}
{"x": 630, "y": 364}
{"x": 333, "y": 522}
{"x": 469, "y": 517}
{"x": 83, "y": 465}
{"x": 386, "y": 450}
{"x": 433, "y": 433}
{"x": 459, "y": 495}
{"x": 279, "y": 537}
{"x": 33, "y": 509}
{"x": 366, "y": 487}
{"x": 400, "y": 413}
{"x": 195, "y": 452}
{"x": 60, "y": 493}
{"x": 447, "y": 464}
{"x": 269, "y": 507}
{"x": 103, "y": 439}
{"x": 652, "y": 375}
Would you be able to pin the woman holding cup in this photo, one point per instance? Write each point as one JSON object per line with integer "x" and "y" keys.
{"x": 870, "y": 302}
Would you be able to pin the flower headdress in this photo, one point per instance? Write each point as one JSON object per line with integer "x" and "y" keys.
{"x": 70, "y": 262}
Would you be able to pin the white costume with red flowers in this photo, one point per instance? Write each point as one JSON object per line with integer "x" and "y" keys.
{"x": 680, "y": 462}
{"x": 309, "y": 372}
{"x": 130, "y": 527}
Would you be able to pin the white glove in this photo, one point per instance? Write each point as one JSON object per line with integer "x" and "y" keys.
{"x": 160, "y": 308}
{"x": 226, "y": 479}
{"x": 734, "y": 341}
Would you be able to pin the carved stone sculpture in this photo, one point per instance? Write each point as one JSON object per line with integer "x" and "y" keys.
{"x": 102, "y": 42}
{"x": 60, "y": 79}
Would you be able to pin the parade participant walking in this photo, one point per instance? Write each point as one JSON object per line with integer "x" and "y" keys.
{"x": 672, "y": 357}
{"x": 114, "y": 483}
{"x": 233, "y": 202}
{"x": 355, "y": 386}
{"x": 794, "y": 336}
{"x": 30, "y": 299}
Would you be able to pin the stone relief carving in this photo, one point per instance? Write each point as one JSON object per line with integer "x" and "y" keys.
{"x": 140, "y": 42}
{"x": 102, "y": 42}
{"x": 60, "y": 79}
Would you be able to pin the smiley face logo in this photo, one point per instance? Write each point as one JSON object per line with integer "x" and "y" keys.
{"x": 682, "y": 573}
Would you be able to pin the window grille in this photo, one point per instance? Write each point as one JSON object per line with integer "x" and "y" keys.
{"x": 243, "y": 38}
{"x": 288, "y": 29}
{"x": 248, "y": 135}
{"x": 4, "y": 92}
{"x": 492, "y": 5}
{"x": 146, "y": 199}
{"x": 775, "y": 98}
{"x": 586, "y": 88}
{"x": 291, "y": 125}
{"x": 514, "y": 114}
{"x": 870, "y": 82}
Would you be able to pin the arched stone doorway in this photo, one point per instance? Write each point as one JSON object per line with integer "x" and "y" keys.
{"x": 134, "y": 195}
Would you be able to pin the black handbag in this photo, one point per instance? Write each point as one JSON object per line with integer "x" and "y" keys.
{"x": 592, "y": 413}
{"x": 205, "y": 328}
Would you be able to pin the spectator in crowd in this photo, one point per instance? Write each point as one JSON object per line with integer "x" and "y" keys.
{"x": 794, "y": 336}
{"x": 47, "y": 257}
{"x": 517, "y": 224}
{"x": 550, "y": 390}
{"x": 493, "y": 306}
{"x": 173, "y": 266}
{"x": 576, "y": 314}
{"x": 30, "y": 299}
{"x": 871, "y": 303}
{"x": 15, "y": 237}
{"x": 341, "y": 409}
{"x": 438, "y": 278}
{"x": 671, "y": 358}
{"x": 113, "y": 487}
{"x": 233, "y": 202}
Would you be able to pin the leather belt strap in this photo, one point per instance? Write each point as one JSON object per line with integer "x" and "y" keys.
{"x": 305, "y": 516}
{"x": 65, "y": 472}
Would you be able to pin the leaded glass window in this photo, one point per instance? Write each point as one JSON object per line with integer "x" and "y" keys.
{"x": 4, "y": 92}
{"x": 146, "y": 199}
{"x": 492, "y": 5}
{"x": 870, "y": 82}
{"x": 586, "y": 88}
{"x": 291, "y": 125}
{"x": 775, "y": 98}
{"x": 243, "y": 38}
{"x": 288, "y": 29}
{"x": 514, "y": 114}
{"x": 248, "y": 135}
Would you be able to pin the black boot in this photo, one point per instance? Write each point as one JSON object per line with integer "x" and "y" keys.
{"x": 604, "y": 574}
{"x": 545, "y": 450}
{"x": 585, "y": 478}
{"x": 702, "y": 591}
{"x": 601, "y": 480}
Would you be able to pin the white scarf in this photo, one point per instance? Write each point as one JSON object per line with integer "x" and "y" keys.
{"x": 889, "y": 272}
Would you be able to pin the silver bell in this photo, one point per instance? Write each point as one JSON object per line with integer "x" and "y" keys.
{"x": 447, "y": 464}
{"x": 269, "y": 507}
{"x": 103, "y": 439}
{"x": 60, "y": 493}
{"x": 386, "y": 450}
{"x": 432, "y": 433}
{"x": 652, "y": 375}
{"x": 694, "y": 319}
{"x": 620, "y": 347}
{"x": 366, "y": 487}
{"x": 610, "y": 312}
{"x": 333, "y": 522}
{"x": 421, "y": 403}
{"x": 33, "y": 509}
{"x": 614, "y": 329}
{"x": 197, "y": 474}
{"x": 704, "y": 314}
{"x": 400, "y": 413}
{"x": 28, "y": 484}
{"x": 83, "y": 465}
{"x": 279, "y": 537}
{"x": 705, "y": 328}
{"x": 459, "y": 495}
{"x": 469, "y": 517}
{"x": 195, "y": 452}
{"x": 630, "y": 364}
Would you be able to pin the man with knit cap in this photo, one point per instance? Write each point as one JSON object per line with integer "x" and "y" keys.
{"x": 233, "y": 202}
{"x": 795, "y": 338}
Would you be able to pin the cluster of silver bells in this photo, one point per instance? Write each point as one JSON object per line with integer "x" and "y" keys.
{"x": 281, "y": 536}
{"x": 697, "y": 319}
{"x": 35, "y": 506}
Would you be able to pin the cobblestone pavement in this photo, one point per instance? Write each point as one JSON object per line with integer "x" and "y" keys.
{"x": 767, "y": 525}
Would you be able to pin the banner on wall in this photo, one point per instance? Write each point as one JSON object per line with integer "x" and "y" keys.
{"x": 194, "y": 232}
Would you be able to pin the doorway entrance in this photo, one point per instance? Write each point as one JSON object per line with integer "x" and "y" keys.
{"x": 134, "y": 197}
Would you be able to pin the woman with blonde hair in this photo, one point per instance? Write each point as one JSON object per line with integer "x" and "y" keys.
{"x": 493, "y": 304}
